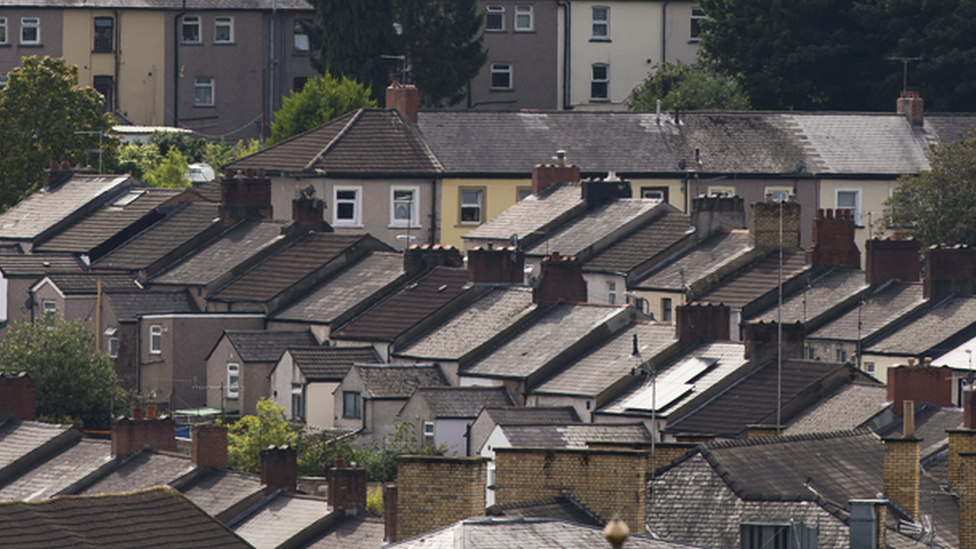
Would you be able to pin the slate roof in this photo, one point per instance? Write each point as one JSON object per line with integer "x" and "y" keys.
{"x": 586, "y": 231}
{"x": 211, "y": 189}
{"x": 474, "y": 325}
{"x": 928, "y": 330}
{"x": 346, "y": 290}
{"x": 363, "y": 142}
{"x": 574, "y": 435}
{"x": 699, "y": 261}
{"x": 561, "y": 507}
{"x": 533, "y": 215}
{"x": 44, "y": 209}
{"x": 524, "y": 533}
{"x": 850, "y": 406}
{"x": 130, "y": 305}
{"x": 468, "y": 142}
{"x": 463, "y": 402}
{"x": 266, "y": 345}
{"x": 397, "y": 313}
{"x": 170, "y": 4}
{"x": 598, "y": 370}
{"x": 931, "y": 423}
{"x": 330, "y": 363}
{"x": 756, "y": 281}
{"x": 822, "y": 295}
{"x": 162, "y": 238}
{"x": 361, "y": 531}
{"x": 396, "y": 380}
{"x": 104, "y": 223}
{"x": 144, "y": 470}
{"x": 37, "y": 265}
{"x": 219, "y": 257}
{"x": 752, "y": 398}
{"x": 22, "y": 437}
{"x": 287, "y": 267}
{"x": 217, "y": 491}
{"x": 157, "y": 517}
{"x": 880, "y": 309}
{"x": 642, "y": 245}
{"x": 532, "y": 348}
{"x": 523, "y": 415}
{"x": 281, "y": 519}
{"x": 87, "y": 283}
{"x": 50, "y": 477}
{"x": 950, "y": 127}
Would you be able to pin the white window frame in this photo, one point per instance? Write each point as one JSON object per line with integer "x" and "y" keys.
{"x": 857, "y": 202}
{"x": 504, "y": 69}
{"x": 428, "y": 433}
{"x": 224, "y": 21}
{"x": 190, "y": 21}
{"x": 356, "y": 201}
{"x": 869, "y": 367}
{"x": 600, "y": 28}
{"x": 113, "y": 347}
{"x": 357, "y": 404}
{"x": 203, "y": 83}
{"x": 233, "y": 380}
{"x": 480, "y": 206}
{"x": 301, "y": 40}
{"x": 696, "y": 16}
{"x": 30, "y": 23}
{"x": 612, "y": 292}
{"x": 604, "y": 81}
{"x": 721, "y": 190}
{"x": 667, "y": 308}
{"x": 297, "y": 401}
{"x": 780, "y": 194}
{"x": 3, "y": 30}
{"x": 524, "y": 13}
{"x": 49, "y": 306}
{"x": 414, "y": 210}
{"x": 496, "y": 11}
{"x": 155, "y": 339}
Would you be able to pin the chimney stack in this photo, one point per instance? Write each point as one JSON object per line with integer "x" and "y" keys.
{"x": 962, "y": 440}
{"x": 867, "y": 523}
{"x": 833, "y": 240}
{"x": 560, "y": 278}
{"x": 967, "y": 501}
{"x": 920, "y": 384}
{"x": 713, "y": 213}
{"x": 55, "y": 175}
{"x": 279, "y": 469}
{"x": 761, "y": 340}
{"x": 419, "y": 258}
{"x": 347, "y": 489}
{"x": 702, "y": 322}
{"x": 209, "y": 446}
{"x": 389, "y": 512}
{"x": 491, "y": 265}
{"x": 901, "y": 466}
{"x": 18, "y": 396}
{"x": 404, "y": 98}
{"x": 308, "y": 210}
{"x": 891, "y": 259}
{"x": 545, "y": 175}
{"x": 131, "y": 435}
{"x": 245, "y": 197}
{"x": 948, "y": 270}
{"x": 764, "y": 224}
{"x": 912, "y": 106}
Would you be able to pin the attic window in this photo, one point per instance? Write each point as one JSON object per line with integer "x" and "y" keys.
{"x": 127, "y": 198}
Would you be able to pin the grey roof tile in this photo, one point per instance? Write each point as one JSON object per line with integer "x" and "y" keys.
{"x": 523, "y": 415}
{"x": 87, "y": 283}
{"x": 879, "y": 310}
{"x": 130, "y": 305}
{"x": 575, "y": 435}
{"x": 642, "y": 245}
{"x": 156, "y": 517}
{"x": 398, "y": 380}
{"x": 931, "y": 423}
{"x": 361, "y": 531}
{"x": 561, "y": 507}
{"x": 141, "y": 471}
{"x": 38, "y": 265}
{"x": 951, "y": 126}
{"x": 347, "y": 289}
{"x": 48, "y": 478}
{"x": 19, "y": 438}
{"x": 219, "y": 490}
{"x": 820, "y": 296}
{"x": 532, "y": 216}
{"x": 926, "y": 331}
{"x": 849, "y": 407}
{"x": 757, "y": 280}
{"x": 473, "y": 326}
{"x": 698, "y": 262}
{"x": 331, "y": 363}
{"x": 265, "y": 345}
{"x": 584, "y": 232}
{"x": 280, "y": 519}
{"x": 463, "y": 402}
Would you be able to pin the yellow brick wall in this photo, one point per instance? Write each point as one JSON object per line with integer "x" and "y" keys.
{"x": 967, "y": 501}
{"x": 901, "y": 473}
{"x": 607, "y": 482}
{"x": 664, "y": 452}
{"x": 960, "y": 440}
{"x": 434, "y": 492}
{"x": 764, "y": 224}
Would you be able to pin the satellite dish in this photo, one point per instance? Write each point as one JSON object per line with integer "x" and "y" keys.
{"x": 682, "y": 164}
{"x": 514, "y": 241}
{"x": 309, "y": 191}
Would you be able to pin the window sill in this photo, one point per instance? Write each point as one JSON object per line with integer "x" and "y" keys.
{"x": 496, "y": 31}
{"x": 467, "y": 225}
{"x": 694, "y": 40}
{"x": 204, "y": 106}
{"x": 191, "y": 43}
{"x": 5, "y": 45}
{"x": 600, "y": 40}
{"x": 31, "y": 45}
{"x": 400, "y": 226}
{"x": 225, "y": 43}
{"x": 155, "y": 352}
{"x": 503, "y": 90}
{"x": 103, "y": 51}
{"x": 598, "y": 100}
{"x": 525, "y": 31}
{"x": 347, "y": 225}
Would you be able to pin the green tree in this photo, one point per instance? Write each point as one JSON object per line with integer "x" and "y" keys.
{"x": 42, "y": 115}
{"x": 170, "y": 172}
{"x": 321, "y": 100}
{"x": 251, "y": 434}
{"x": 440, "y": 41}
{"x": 75, "y": 383}
{"x": 218, "y": 155}
{"x": 688, "y": 87}
{"x": 938, "y": 206}
{"x": 137, "y": 159}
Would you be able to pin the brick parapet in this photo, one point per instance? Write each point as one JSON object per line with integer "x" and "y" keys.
{"x": 920, "y": 384}
{"x": 18, "y": 396}
{"x": 967, "y": 501}
{"x": 433, "y": 492}
{"x": 209, "y": 446}
{"x": 764, "y": 224}
{"x": 131, "y": 435}
{"x": 960, "y": 441}
{"x": 902, "y": 473}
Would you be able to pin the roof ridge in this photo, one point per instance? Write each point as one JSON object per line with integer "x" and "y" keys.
{"x": 827, "y": 435}
{"x": 350, "y": 123}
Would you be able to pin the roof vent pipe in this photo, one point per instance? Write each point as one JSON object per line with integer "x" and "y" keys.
{"x": 561, "y": 158}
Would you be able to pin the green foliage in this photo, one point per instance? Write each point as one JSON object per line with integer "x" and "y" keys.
{"x": 440, "y": 41}
{"x": 171, "y": 172}
{"x": 218, "y": 155}
{"x": 193, "y": 150}
{"x": 75, "y": 383}
{"x": 687, "y": 87}
{"x": 146, "y": 162}
{"x": 321, "y": 100}
{"x": 41, "y": 114}
{"x": 938, "y": 206}
{"x": 374, "y": 501}
{"x": 251, "y": 434}
{"x": 138, "y": 159}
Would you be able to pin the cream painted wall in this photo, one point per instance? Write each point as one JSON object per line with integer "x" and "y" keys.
{"x": 882, "y": 363}
{"x": 872, "y": 197}
{"x": 499, "y": 195}
{"x": 654, "y": 300}
{"x": 142, "y": 60}
{"x": 676, "y": 190}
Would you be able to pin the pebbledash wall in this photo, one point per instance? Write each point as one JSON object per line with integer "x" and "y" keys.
{"x": 606, "y": 482}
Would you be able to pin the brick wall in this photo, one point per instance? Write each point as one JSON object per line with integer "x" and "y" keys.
{"x": 279, "y": 469}
{"x": 901, "y": 472}
{"x": 545, "y": 175}
{"x": 347, "y": 488}
{"x": 131, "y": 435}
{"x": 209, "y": 446}
{"x": 702, "y": 322}
{"x": 891, "y": 259}
{"x": 18, "y": 396}
{"x": 607, "y": 482}
{"x": 308, "y": 211}
{"x": 833, "y": 240}
{"x": 920, "y": 384}
{"x": 760, "y": 431}
{"x": 418, "y": 258}
{"x": 762, "y": 340}
{"x": 713, "y": 213}
{"x": 560, "y": 278}
{"x": 967, "y": 502}
{"x": 664, "y": 452}
{"x": 502, "y": 265}
{"x": 764, "y": 224}
{"x": 405, "y": 98}
{"x": 960, "y": 441}
{"x": 949, "y": 270}
{"x": 912, "y": 106}
{"x": 433, "y": 492}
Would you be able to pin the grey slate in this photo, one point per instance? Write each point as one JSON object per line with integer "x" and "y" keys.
{"x": 849, "y": 407}
{"x": 531, "y": 216}
{"x": 698, "y": 262}
{"x": 562, "y": 507}
{"x": 141, "y": 471}
{"x": 819, "y": 297}
{"x": 879, "y": 310}
{"x": 87, "y": 283}
{"x": 218, "y": 490}
{"x": 463, "y": 402}
{"x": 330, "y": 363}
{"x": 266, "y": 345}
{"x": 759, "y": 279}
{"x": 130, "y": 305}
{"x": 48, "y": 478}
{"x": 397, "y": 380}
{"x": 522, "y": 415}
{"x": 281, "y": 519}
{"x": 642, "y": 245}
{"x": 38, "y": 265}
{"x": 573, "y": 435}
{"x": 361, "y": 531}
{"x": 929, "y": 329}
{"x": 585, "y": 231}
{"x": 18, "y": 438}
{"x": 931, "y": 423}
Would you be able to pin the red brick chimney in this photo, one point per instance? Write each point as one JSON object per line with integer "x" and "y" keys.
{"x": 560, "y": 278}
{"x": 912, "y": 106}
{"x": 545, "y": 175}
{"x": 920, "y": 384}
{"x": 702, "y": 322}
{"x": 419, "y": 258}
{"x": 347, "y": 489}
{"x": 405, "y": 98}
{"x": 901, "y": 464}
{"x": 245, "y": 197}
{"x": 308, "y": 210}
{"x": 18, "y": 396}
{"x": 55, "y": 175}
{"x": 713, "y": 213}
{"x": 761, "y": 340}
{"x": 833, "y": 240}
{"x": 491, "y": 265}
{"x": 279, "y": 469}
{"x": 894, "y": 259}
{"x": 949, "y": 270}
{"x": 131, "y": 435}
{"x": 210, "y": 446}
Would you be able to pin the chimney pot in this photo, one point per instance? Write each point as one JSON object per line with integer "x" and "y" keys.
{"x": 908, "y": 419}
{"x": 65, "y": 165}
{"x": 151, "y": 411}
{"x": 137, "y": 413}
